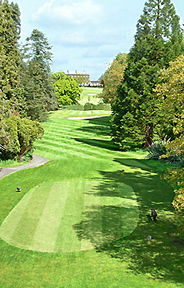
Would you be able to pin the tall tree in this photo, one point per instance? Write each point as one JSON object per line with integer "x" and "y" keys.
{"x": 158, "y": 41}
{"x": 37, "y": 78}
{"x": 113, "y": 77}
{"x": 10, "y": 57}
{"x": 171, "y": 106}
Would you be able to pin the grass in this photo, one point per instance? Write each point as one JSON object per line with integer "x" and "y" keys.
{"x": 81, "y": 199}
{"x": 40, "y": 223}
{"x": 90, "y": 95}
{"x": 12, "y": 163}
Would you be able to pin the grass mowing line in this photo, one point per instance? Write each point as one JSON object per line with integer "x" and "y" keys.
{"x": 68, "y": 133}
{"x": 71, "y": 216}
{"x": 45, "y": 236}
{"x": 10, "y": 224}
{"x": 149, "y": 261}
{"x": 80, "y": 147}
{"x": 26, "y": 227}
{"x": 116, "y": 209}
{"x": 64, "y": 151}
{"x": 27, "y": 212}
{"x": 92, "y": 219}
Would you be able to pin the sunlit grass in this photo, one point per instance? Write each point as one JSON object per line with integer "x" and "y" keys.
{"x": 90, "y": 95}
{"x": 80, "y": 153}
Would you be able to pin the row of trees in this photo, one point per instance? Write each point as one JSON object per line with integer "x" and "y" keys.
{"x": 28, "y": 90}
{"x": 148, "y": 103}
{"x": 158, "y": 40}
{"x": 25, "y": 86}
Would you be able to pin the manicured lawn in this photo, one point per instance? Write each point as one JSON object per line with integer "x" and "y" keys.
{"x": 90, "y": 95}
{"x": 82, "y": 222}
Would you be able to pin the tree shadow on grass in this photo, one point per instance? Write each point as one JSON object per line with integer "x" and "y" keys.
{"x": 103, "y": 121}
{"x": 95, "y": 129}
{"x": 100, "y": 225}
{"x": 106, "y": 144}
{"x": 101, "y": 126}
{"x": 162, "y": 257}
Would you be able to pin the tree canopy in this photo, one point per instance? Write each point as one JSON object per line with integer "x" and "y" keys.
{"x": 66, "y": 88}
{"x": 36, "y": 78}
{"x": 171, "y": 95}
{"x": 158, "y": 41}
{"x": 113, "y": 77}
{"x": 17, "y": 136}
{"x": 10, "y": 57}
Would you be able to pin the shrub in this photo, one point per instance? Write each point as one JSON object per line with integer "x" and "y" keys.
{"x": 157, "y": 149}
{"x": 89, "y": 106}
{"x": 17, "y": 137}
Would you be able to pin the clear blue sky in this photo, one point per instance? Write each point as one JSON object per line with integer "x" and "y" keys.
{"x": 85, "y": 34}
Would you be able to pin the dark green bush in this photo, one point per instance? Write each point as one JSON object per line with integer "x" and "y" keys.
{"x": 89, "y": 106}
{"x": 157, "y": 149}
{"x": 17, "y": 136}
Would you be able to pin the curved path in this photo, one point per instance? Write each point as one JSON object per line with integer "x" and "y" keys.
{"x": 35, "y": 162}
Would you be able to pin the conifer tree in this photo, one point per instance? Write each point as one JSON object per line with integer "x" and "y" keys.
{"x": 37, "y": 78}
{"x": 158, "y": 41}
{"x": 10, "y": 57}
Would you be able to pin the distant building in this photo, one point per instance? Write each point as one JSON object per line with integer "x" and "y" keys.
{"x": 82, "y": 78}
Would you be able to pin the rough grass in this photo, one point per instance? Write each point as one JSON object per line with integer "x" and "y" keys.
{"x": 81, "y": 151}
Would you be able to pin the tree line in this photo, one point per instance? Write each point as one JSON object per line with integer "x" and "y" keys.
{"x": 146, "y": 90}
{"x": 28, "y": 89}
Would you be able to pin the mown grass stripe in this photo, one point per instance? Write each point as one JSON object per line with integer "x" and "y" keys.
{"x": 26, "y": 227}
{"x": 92, "y": 218}
{"x": 64, "y": 151}
{"x": 80, "y": 147}
{"x": 73, "y": 214}
{"x": 10, "y": 223}
{"x": 67, "y": 238}
{"x": 46, "y": 233}
{"x": 67, "y": 145}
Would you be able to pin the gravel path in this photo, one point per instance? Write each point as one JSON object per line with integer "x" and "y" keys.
{"x": 35, "y": 162}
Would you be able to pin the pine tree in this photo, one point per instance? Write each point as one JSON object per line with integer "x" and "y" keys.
{"x": 158, "y": 41}
{"x": 10, "y": 58}
{"x": 37, "y": 78}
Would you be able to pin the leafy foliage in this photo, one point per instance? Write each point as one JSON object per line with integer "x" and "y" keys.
{"x": 171, "y": 103}
{"x": 66, "y": 88}
{"x": 158, "y": 41}
{"x": 10, "y": 57}
{"x": 17, "y": 136}
{"x": 157, "y": 149}
{"x": 113, "y": 77}
{"x": 171, "y": 97}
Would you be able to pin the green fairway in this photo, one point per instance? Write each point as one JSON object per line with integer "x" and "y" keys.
{"x": 80, "y": 221}
{"x": 90, "y": 94}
